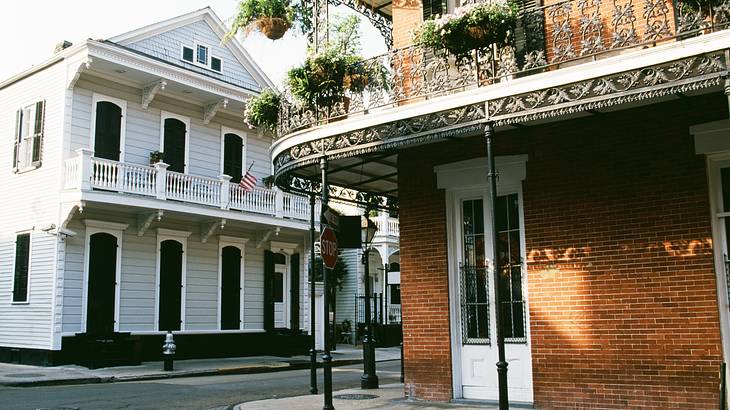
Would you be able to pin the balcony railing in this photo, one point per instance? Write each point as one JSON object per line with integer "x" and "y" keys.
{"x": 87, "y": 173}
{"x": 564, "y": 32}
{"x": 387, "y": 226}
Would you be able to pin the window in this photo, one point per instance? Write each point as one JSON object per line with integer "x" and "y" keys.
{"x": 29, "y": 122}
{"x": 187, "y": 54}
{"x": 233, "y": 148}
{"x": 215, "y": 64}
{"x": 510, "y": 264}
{"x": 202, "y": 55}
{"x": 474, "y": 282}
{"x": 22, "y": 265}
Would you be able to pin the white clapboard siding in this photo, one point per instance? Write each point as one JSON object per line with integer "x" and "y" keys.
{"x": 30, "y": 325}
{"x": 167, "y": 46}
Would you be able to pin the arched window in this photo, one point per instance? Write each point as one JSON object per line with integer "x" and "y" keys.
{"x": 233, "y": 156}
{"x": 108, "y": 128}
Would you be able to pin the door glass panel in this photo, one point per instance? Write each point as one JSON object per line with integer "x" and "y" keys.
{"x": 278, "y": 287}
{"x": 473, "y": 275}
{"x": 509, "y": 250}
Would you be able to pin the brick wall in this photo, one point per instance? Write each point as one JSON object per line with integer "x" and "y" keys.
{"x": 620, "y": 273}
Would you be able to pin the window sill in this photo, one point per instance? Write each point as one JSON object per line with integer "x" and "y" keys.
{"x": 201, "y": 65}
{"x": 32, "y": 167}
{"x": 27, "y": 302}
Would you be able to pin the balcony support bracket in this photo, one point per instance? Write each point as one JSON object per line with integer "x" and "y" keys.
{"x": 145, "y": 220}
{"x": 74, "y": 72}
{"x": 211, "y": 110}
{"x": 265, "y": 237}
{"x": 150, "y": 91}
{"x": 208, "y": 229}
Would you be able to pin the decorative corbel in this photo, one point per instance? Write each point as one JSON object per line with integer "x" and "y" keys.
{"x": 68, "y": 210}
{"x": 74, "y": 72}
{"x": 208, "y": 229}
{"x": 150, "y": 91}
{"x": 210, "y": 110}
{"x": 267, "y": 235}
{"x": 145, "y": 220}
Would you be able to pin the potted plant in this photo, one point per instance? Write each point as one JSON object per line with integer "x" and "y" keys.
{"x": 270, "y": 17}
{"x": 263, "y": 110}
{"x": 156, "y": 156}
{"x": 268, "y": 181}
{"x": 325, "y": 76}
{"x": 472, "y": 26}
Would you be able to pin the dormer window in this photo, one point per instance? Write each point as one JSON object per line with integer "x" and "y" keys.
{"x": 200, "y": 55}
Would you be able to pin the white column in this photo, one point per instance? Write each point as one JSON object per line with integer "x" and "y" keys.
{"x": 278, "y": 203}
{"x": 161, "y": 180}
{"x": 86, "y": 170}
{"x": 225, "y": 191}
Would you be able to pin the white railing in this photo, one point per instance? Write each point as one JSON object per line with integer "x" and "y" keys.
{"x": 260, "y": 200}
{"x": 387, "y": 226}
{"x": 394, "y": 313}
{"x": 198, "y": 190}
{"x": 86, "y": 173}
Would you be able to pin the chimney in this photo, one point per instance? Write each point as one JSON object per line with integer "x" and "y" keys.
{"x": 62, "y": 46}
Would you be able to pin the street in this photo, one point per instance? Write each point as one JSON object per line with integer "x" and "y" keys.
{"x": 185, "y": 393}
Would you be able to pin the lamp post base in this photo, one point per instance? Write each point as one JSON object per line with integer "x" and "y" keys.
{"x": 369, "y": 379}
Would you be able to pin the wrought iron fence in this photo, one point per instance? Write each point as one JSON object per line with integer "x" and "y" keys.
{"x": 376, "y": 308}
{"x": 544, "y": 38}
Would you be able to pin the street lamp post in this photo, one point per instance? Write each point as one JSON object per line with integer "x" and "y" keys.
{"x": 369, "y": 379}
{"x": 312, "y": 301}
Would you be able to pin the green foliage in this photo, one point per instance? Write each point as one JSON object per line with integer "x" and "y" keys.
{"x": 471, "y": 27}
{"x": 250, "y": 11}
{"x": 263, "y": 110}
{"x": 156, "y": 156}
{"x": 338, "y": 273}
{"x": 324, "y": 77}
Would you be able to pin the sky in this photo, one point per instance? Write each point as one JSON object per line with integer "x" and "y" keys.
{"x": 36, "y": 26}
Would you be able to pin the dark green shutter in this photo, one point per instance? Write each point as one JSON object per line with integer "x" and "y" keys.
{"x": 18, "y": 122}
{"x": 233, "y": 157}
{"x": 294, "y": 287}
{"x": 174, "y": 144}
{"x": 433, "y": 8}
{"x": 40, "y": 113}
{"x": 268, "y": 291}
{"x": 108, "y": 130}
{"x": 22, "y": 260}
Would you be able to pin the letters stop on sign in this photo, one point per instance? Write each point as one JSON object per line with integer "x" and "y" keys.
{"x": 328, "y": 247}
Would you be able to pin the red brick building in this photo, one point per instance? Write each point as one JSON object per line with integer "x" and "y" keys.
{"x": 610, "y": 219}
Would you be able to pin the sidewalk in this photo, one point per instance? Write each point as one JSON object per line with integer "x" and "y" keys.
{"x": 27, "y": 376}
{"x": 388, "y": 396}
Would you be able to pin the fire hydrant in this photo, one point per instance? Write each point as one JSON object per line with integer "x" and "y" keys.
{"x": 168, "y": 351}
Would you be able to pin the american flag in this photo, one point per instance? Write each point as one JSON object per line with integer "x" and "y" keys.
{"x": 248, "y": 182}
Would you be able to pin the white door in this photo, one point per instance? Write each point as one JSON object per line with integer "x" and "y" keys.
{"x": 476, "y": 339}
{"x": 281, "y": 292}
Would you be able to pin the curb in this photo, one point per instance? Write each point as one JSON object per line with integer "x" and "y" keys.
{"x": 180, "y": 374}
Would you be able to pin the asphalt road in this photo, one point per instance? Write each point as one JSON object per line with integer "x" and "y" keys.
{"x": 185, "y": 393}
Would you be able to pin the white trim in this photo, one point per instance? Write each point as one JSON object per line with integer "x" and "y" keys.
{"x": 183, "y": 332}
{"x": 244, "y": 140}
{"x": 97, "y": 98}
{"x": 182, "y": 238}
{"x": 116, "y": 230}
{"x": 30, "y": 264}
{"x": 185, "y": 120}
{"x": 240, "y": 243}
{"x": 198, "y": 44}
{"x": 286, "y": 279}
{"x": 287, "y": 248}
{"x": 714, "y": 164}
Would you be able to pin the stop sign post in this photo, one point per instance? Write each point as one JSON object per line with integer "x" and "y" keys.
{"x": 328, "y": 247}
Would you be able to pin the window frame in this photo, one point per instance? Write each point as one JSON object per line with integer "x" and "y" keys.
{"x": 186, "y": 120}
{"x": 20, "y": 166}
{"x": 96, "y": 98}
{"x": 28, "y": 232}
{"x": 244, "y": 138}
{"x": 198, "y": 45}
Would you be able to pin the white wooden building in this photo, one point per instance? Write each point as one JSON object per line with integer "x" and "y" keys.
{"x": 100, "y": 248}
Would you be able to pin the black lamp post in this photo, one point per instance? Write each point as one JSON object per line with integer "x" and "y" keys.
{"x": 369, "y": 379}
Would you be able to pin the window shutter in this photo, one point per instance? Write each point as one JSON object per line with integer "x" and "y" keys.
{"x": 268, "y": 291}
{"x": 22, "y": 256}
{"x": 294, "y": 287}
{"x": 40, "y": 116}
{"x": 433, "y": 8}
{"x": 18, "y": 122}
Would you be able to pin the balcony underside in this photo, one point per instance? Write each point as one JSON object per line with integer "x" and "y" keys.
{"x": 362, "y": 150}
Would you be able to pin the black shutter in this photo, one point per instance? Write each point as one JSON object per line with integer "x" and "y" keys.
{"x": 268, "y": 291}
{"x": 174, "y": 145}
{"x": 294, "y": 287}
{"x": 433, "y": 8}
{"x": 233, "y": 157}
{"x": 107, "y": 131}
{"x": 18, "y": 122}
{"x": 22, "y": 259}
{"x": 530, "y": 29}
{"x": 40, "y": 114}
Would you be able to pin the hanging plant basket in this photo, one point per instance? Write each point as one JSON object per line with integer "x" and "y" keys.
{"x": 273, "y": 28}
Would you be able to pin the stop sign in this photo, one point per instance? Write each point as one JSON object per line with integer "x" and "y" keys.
{"x": 328, "y": 247}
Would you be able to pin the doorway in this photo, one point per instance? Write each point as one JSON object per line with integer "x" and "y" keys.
{"x": 231, "y": 286}
{"x": 170, "y": 285}
{"x": 102, "y": 283}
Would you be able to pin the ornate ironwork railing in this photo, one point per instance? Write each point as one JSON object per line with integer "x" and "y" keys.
{"x": 567, "y": 32}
